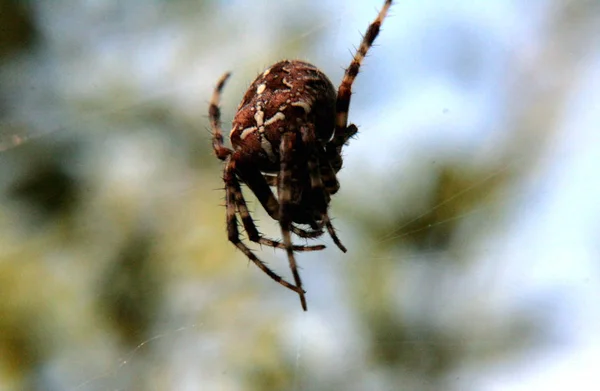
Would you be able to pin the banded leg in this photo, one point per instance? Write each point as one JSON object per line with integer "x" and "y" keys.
{"x": 250, "y": 226}
{"x": 345, "y": 89}
{"x": 286, "y": 151}
{"x": 231, "y": 183}
{"x": 306, "y": 234}
{"x": 271, "y": 205}
{"x": 214, "y": 115}
{"x": 316, "y": 181}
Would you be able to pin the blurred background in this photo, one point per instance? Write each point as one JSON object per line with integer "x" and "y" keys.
{"x": 468, "y": 201}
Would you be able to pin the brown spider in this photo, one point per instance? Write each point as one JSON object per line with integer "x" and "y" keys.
{"x": 288, "y": 133}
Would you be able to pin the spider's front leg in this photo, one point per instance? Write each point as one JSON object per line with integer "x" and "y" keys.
{"x": 214, "y": 115}
{"x": 343, "y": 132}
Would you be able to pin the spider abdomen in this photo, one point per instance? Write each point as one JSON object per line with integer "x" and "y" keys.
{"x": 283, "y": 98}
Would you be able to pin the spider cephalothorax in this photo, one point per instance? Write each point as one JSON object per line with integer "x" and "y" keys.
{"x": 288, "y": 133}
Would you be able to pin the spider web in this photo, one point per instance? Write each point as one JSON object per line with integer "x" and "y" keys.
{"x": 466, "y": 212}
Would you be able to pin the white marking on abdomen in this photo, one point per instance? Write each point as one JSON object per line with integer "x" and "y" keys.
{"x": 268, "y": 148}
{"x": 279, "y": 116}
{"x": 304, "y": 105}
{"x": 287, "y": 83}
{"x": 247, "y": 131}
{"x": 259, "y": 117}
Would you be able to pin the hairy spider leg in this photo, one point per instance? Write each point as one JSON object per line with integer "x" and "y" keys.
{"x": 271, "y": 181}
{"x": 309, "y": 139}
{"x": 342, "y": 131}
{"x": 286, "y": 152}
{"x": 214, "y": 115}
{"x": 306, "y": 234}
{"x": 248, "y": 222}
{"x": 259, "y": 184}
{"x": 232, "y": 188}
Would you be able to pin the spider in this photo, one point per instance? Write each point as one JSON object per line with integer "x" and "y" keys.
{"x": 288, "y": 134}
